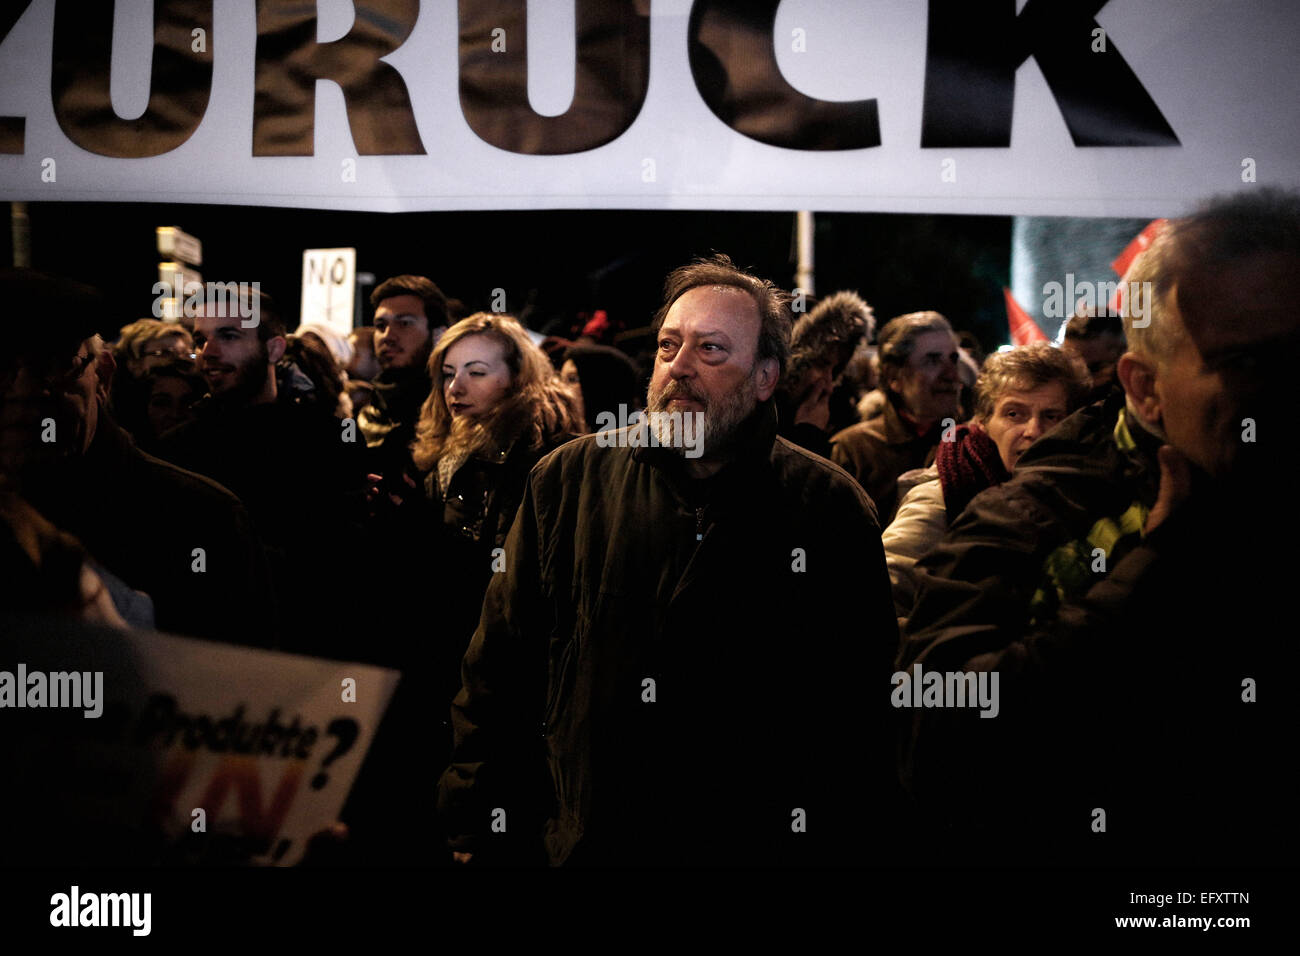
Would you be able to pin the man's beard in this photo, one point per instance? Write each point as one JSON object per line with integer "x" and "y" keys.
{"x": 248, "y": 380}
{"x": 722, "y": 419}
{"x": 410, "y": 362}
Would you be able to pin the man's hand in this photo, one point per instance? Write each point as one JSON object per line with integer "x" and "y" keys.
{"x": 1175, "y": 486}
{"x": 375, "y": 487}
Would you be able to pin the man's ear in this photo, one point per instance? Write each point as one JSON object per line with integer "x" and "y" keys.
{"x": 275, "y": 347}
{"x": 766, "y": 375}
{"x": 105, "y": 368}
{"x": 1137, "y": 374}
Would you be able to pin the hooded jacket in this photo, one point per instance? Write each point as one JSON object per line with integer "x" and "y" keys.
{"x": 678, "y": 671}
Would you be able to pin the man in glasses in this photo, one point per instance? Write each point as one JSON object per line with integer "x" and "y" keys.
{"x": 61, "y": 449}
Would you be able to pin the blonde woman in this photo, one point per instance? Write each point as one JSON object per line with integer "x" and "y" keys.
{"x": 495, "y": 409}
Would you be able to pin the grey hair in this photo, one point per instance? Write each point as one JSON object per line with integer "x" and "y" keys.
{"x": 898, "y": 340}
{"x": 1224, "y": 229}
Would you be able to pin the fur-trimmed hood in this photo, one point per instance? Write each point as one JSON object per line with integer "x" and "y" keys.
{"x": 830, "y": 333}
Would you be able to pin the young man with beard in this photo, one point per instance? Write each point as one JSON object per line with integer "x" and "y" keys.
{"x": 410, "y": 317}
{"x": 290, "y": 464}
{"x": 140, "y": 518}
{"x": 672, "y": 666}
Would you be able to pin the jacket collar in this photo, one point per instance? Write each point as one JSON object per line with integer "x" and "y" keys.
{"x": 898, "y": 431}
{"x": 398, "y": 391}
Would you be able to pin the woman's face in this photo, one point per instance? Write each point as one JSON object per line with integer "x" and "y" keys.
{"x": 475, "y": 376}
{"x": 1020, "y": 418}
{"x": 169, "y": 404}
{"x": 569, "y": 376}
{"x": 569, "y": 373}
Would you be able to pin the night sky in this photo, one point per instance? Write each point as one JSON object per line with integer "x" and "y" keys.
{"x": 565, "y": 261}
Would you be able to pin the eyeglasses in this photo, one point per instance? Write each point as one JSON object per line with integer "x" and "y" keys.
{"x": 180, "y": 352}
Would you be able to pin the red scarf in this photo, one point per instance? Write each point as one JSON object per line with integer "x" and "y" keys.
{"x": 967, "y": 465}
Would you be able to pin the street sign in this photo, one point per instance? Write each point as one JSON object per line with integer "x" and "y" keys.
{"x": 180, "y": 283}
{"x": 180, "y": 246}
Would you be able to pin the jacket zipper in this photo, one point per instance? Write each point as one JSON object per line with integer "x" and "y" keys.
{"x": 699, "y": 523}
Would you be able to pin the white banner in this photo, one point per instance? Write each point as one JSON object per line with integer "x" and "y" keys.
{"x": 221, "y": 754}
{"x": 1059, "y": 107}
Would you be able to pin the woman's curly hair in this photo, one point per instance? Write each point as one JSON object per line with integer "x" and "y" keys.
{"x": 537, "y": 409}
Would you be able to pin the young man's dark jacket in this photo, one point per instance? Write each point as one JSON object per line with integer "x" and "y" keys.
{"x": 1121, "y": 659}
{"x": 388, "y": 420}
{"x": 680, "y": 672}
{"x": 302, "y": 482}
{"x": 142, "y": 518}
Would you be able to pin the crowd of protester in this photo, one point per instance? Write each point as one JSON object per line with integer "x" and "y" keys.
{"x": 653, "y": 658}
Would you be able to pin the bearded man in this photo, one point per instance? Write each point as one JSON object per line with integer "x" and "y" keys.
{"x": 410, "y": 317}
{"x": 298, "y": 470}
{"x": 671, "y": 665}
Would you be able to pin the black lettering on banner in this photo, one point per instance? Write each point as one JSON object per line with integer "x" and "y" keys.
{"x": 180, "y": 80}
{"x": 611, "y": 77}
{"x": 290, "y": 61}
{"x": 975, "y": 47}
{"x": 13, "y": 129}
{"x": 733, "y": 61}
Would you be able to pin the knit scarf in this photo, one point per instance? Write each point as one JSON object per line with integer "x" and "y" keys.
{"x": 967, "y": 465}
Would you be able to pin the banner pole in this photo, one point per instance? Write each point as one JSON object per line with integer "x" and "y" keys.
{"x": 803, "y": 276}
{"x": 20, "y": 230}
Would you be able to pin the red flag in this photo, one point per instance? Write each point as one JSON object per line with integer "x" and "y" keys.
{"x": 1138, "y": 245}
{"x": 1131, "y": 252}
{"x": 1023, "y": 329}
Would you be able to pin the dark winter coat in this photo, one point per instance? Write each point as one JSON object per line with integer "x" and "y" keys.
{"x": 1021, "y": 547}
{"x": 466, "y": 525}
{"x": 303, "y": 483}
{"x": 432, "y": 559}
{"x": 1121, "y": 672}
{"x": 877, "y": 451}
{"x": 143, "y": 518}
{"x": 388, "y": 420}
{"x": 677, "y": 671}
